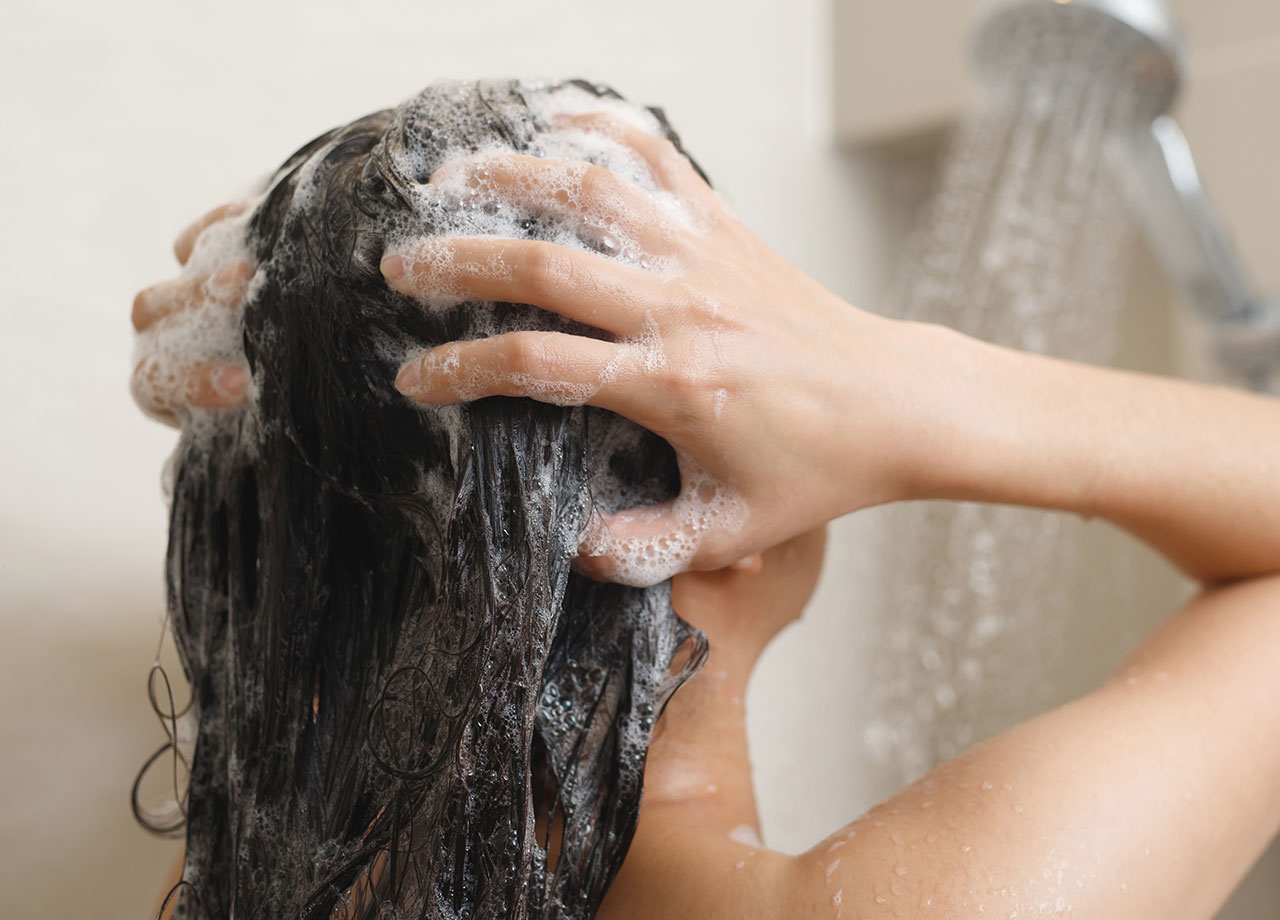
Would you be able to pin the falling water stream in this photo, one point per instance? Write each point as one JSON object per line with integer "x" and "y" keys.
{"x": 1023, "y": 242}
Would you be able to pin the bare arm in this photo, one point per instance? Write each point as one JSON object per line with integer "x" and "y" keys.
{"x": 1148, "y": 798}
{"x": 1151, "y": 796}
{"x": 1191, "y": 469}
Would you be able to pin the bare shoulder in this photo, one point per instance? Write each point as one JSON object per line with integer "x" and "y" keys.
{"x": 1149, "y": 797}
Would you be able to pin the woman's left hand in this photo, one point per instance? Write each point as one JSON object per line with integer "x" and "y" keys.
{"x": 164, "y": 385}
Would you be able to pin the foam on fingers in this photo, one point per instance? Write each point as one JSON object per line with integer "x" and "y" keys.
{"x": 189, "y": 352}
{"x": 644, "y": 546}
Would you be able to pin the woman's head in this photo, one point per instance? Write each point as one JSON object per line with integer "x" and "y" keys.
{"x": 397, "y": 680}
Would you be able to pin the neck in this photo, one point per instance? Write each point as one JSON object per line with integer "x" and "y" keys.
{"x": 699, "y": 752}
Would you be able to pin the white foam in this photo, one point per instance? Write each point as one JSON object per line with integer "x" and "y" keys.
{"x": 704, "y": 506}
{"x": 467, "y": 198}
{"x": 209, "y": 332}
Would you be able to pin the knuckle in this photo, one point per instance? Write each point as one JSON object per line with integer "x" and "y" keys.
{"x": 547, "y": 268}
{"x": 525, "y": 354}
{"x": 662, "y": 152}
{"x": 679, "y": 384}
{"x": 598, "y": 182}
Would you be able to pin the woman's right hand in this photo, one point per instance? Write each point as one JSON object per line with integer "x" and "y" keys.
{"x": 786, "y": 406}
{"x": 164, "y": 386}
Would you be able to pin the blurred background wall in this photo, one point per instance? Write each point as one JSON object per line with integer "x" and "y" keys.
{"x": 127, "y": 120}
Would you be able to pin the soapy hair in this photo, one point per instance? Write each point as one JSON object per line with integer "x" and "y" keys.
{"x": 406, "y": 705}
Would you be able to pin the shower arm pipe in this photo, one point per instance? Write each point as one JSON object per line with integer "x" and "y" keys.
{"x": 1187, "y": 237}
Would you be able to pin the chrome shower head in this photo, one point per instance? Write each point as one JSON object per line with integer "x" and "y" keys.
{"x": 1137, "y": 40}
{"x": 1029, "y": 48}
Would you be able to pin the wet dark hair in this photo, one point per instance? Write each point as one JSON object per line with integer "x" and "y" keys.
{"x": 400, "y": 686}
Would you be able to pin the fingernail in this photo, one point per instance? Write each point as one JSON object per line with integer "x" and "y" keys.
{"x": 229, "y": 381}
{"x": 393, "y": 267}
{"x": 594, "y": 567}
{"x": 408, "y": 380}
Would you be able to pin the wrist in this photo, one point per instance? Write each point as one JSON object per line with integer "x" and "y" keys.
{"x": 941, "y": 387}
{"x": 1002, "y": 425}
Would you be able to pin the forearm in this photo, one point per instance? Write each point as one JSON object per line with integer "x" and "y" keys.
{"x": 1192, "y": 469}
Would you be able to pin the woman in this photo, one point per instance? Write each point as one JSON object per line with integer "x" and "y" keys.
{"x": 1149, "y": 797}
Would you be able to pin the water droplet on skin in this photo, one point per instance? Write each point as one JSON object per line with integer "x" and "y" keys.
{"x": 966, "y": 848}
{"x": 881, "y": 899}
{"x": 900, "y": 870}
{"x": 987, "y": 785}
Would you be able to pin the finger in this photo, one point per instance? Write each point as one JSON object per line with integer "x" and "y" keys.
{"x": 583, "y": 286}
{"x": 671, "y": 168}
{"x": 186, "y": 240}
{"x": 162, "y": 390}
{"x": 225, "y": 288}
{"x": 551, "y": 367}
{"x": 219, "y": 386}
{"x": 571, "y": 191}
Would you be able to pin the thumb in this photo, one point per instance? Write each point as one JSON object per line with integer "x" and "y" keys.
{"x": 646, "y": 545}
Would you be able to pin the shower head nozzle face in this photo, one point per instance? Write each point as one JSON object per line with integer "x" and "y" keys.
{"x": 1137, "y": 40}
